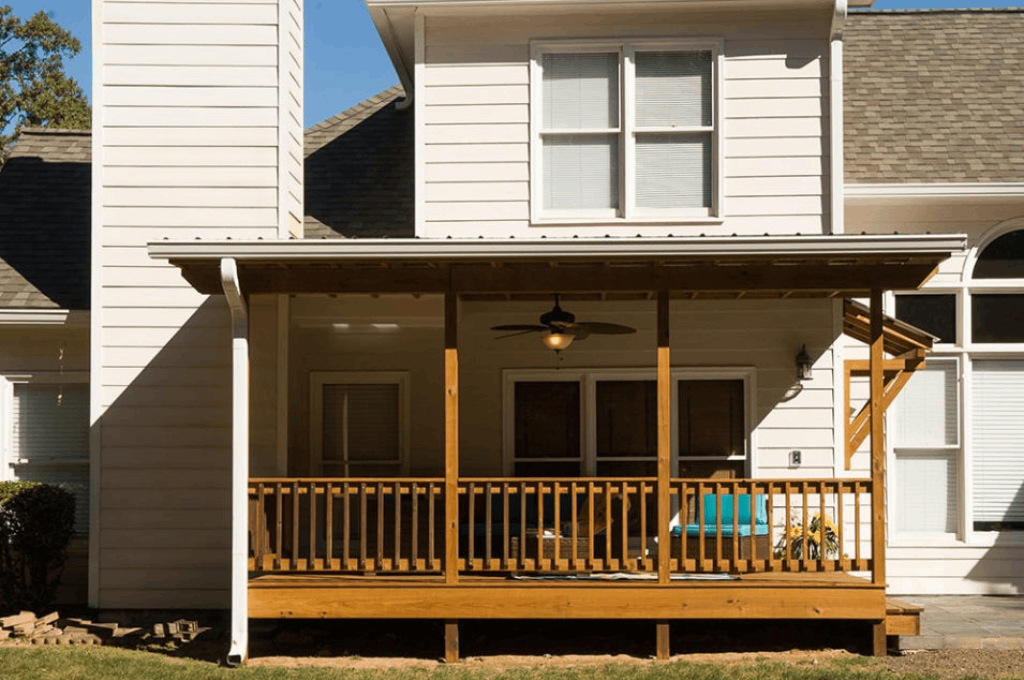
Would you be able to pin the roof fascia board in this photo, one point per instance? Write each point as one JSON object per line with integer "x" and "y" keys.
{"x": 568, "y": 249}
{"x": 1007, "y": 189}
{"x": 392, "y": 45}
{"x": 617, "y": 5}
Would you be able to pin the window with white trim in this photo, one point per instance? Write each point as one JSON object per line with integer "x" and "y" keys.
{"x": 46, "y": 435}
{"x": 359, "y": 424}
{"x": 604, "y": 423}
{"x": 925, "y": 435}
{"x": 626, "y": 130}
{"x": 976, "y": 483}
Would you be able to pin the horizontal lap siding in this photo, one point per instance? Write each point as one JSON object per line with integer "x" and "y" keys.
{"x": 193, "y": 141}
{"x": 764, "y": 335}
{"x": 476, "y": 122}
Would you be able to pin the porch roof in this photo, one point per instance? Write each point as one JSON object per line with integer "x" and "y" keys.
{"x": 731, "y": 266}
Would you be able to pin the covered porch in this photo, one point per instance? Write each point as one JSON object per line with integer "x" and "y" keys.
{"x": 662, "y": 547}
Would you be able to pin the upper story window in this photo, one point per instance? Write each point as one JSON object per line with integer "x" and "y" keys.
{"x": 625, "y": 131}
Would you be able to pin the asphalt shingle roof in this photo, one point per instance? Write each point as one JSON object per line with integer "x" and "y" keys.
{"x": 359, "y": 171}
{"x": 45, "y": 221}
{"x": 934, "y": 96}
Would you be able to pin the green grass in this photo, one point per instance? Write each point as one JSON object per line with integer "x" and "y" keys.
{"x": 89, "y": 663}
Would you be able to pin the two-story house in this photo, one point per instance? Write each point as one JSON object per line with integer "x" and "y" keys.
{"x": 578, "y": 303}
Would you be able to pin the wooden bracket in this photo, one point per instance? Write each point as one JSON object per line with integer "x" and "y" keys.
{"x": 896, "y": 374}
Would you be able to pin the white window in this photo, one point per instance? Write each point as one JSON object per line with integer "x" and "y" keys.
{"x": 626, "y": 131}
{"x": 359, "y": 424}
{"x": 604, "y": 422}
{"x": 46, "y": 435}
{"x": 997, "y": 393}
{"x": 926, "y": 440}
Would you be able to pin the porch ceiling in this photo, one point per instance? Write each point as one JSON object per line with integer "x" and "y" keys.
{"x": 695, "y": 267}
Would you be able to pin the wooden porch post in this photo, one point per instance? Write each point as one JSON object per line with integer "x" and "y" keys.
{"x": 451, "y": 438}
{"x": 664, "y": 441}
{"x": 875, "y": 366}
{"x": 877, "y": 442}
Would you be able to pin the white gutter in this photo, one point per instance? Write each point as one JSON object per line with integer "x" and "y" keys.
{"x": 239, "y": 650}
{"x": 957, "y": 190}
{"x": 835, "y": 94}
{"x": 605, "y": 249}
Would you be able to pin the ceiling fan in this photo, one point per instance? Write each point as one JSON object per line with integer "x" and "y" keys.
{"x": 560, "y": 328}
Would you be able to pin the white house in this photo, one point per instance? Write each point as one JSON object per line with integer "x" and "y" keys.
{"x": 335, "y": 395}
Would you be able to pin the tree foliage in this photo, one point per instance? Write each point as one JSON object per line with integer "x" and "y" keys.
{"x": 34, "y": 90}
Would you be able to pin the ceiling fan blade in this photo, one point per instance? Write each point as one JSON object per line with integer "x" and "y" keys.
{"x": 601, "y": 328}
{"x": 517, "y": 333}
{"x": 578, "y": 331}
{"x": 525, "y": 327}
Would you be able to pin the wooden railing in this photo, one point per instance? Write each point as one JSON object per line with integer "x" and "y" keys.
{"x": 560, "y": 526}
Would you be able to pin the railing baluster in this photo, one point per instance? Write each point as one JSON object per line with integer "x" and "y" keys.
{"x": 625, "y": 527}
{"x": 857, "y": 523}
{"x": 488, "y": 525}
{"x": 329, "y": 526}
{"x": 396, "y": 565}
{"x": 295, "y": 525}
{"x": 346, "y": 524}
{"x": 261, "y": 526}
{"x": 788, "y": 557}
{"x": 804, "y": 528}
{"x": 379, "y": 557}
{"x": 506, "y": 539}
{"x": 431, "y": 555}
{"x": 414, "y": 545}
{"x": 363, "y": 526}
{"x": 311, "y": 563}
{"x": 555, "y": 522}
{"x": 471, "y": 501}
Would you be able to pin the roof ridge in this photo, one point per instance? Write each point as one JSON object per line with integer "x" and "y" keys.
{"x": 382, "y": 97}
{"x": 54, "y": 131}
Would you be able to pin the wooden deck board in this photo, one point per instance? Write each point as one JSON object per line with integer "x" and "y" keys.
{"x": 902, "y": 618}
{"x": 757, "y": 596}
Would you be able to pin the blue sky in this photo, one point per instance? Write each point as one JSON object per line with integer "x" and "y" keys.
{"x": 345, "y": 62}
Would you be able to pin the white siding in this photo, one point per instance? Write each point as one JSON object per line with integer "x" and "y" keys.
{"x": 475, "y": 120}
{"x": 195, "y": 137}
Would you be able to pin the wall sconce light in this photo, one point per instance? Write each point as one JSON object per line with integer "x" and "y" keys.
{"x": 803, "y": 364}
{"x": 557, "y": 341}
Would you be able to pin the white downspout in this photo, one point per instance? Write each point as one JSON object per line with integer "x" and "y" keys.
{"x": 835, "y": 103}
{"x": 239, "y": 650}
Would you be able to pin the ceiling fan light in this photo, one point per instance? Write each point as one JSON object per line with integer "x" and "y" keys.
{"x": 557, "y": 341}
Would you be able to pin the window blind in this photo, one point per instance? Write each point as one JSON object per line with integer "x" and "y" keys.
{"x": 673, "y": 89}
{"x": 50, "y": 440}
{"x": 926, "y": 498}
{"x": 360, "y": 426}
{"x": 998, "y": 432}
{"x": 926, "y": 410}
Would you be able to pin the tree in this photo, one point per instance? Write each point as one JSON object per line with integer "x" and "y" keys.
{"x": 34, "y": 90}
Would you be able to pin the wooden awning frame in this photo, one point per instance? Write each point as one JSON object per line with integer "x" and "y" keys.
{"x": 907, "y": 344}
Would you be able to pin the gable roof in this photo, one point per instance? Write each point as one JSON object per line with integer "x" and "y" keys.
{"x": 359, "y": 171}
{"x": 45, "y": 221}
{"x": 934, "y": 96}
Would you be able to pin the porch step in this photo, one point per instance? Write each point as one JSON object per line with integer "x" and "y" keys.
{"x": 902, "y": 618}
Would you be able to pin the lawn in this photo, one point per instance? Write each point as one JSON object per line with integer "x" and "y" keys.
{"x": 106, "y": 663}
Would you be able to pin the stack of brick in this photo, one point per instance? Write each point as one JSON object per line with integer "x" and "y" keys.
{"x": 51, "y": 630}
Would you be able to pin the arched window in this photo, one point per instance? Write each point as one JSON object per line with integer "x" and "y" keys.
{"x": 997, "y": 314}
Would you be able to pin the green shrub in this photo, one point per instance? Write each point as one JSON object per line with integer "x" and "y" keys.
{"x": 36, "y": 524}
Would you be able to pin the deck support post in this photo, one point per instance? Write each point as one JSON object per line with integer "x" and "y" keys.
{"x": 879, "y": 639}
{"x": 876, "y": 365}
{"x": 451, "y": 641}
{"x": 663, "y": 652}
{"x": 664, "y": 443}
{"x": 239, "y": 649}
{"x": 451, "y": 441}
